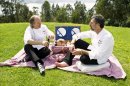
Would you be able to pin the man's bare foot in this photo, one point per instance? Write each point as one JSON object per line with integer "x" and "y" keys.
{"x": 61, "y": 64}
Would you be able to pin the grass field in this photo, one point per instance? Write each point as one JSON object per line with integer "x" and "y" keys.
{"x": 11, "y": 41}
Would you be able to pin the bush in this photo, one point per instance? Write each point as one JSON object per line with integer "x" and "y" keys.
{"x": 128, "y": 23}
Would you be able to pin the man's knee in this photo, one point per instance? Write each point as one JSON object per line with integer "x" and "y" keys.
{"x": 43, "y": 52}
{"x": 84, "y": 59}
{"x": 77, "y": 42}
{"x": 27, "y": 46}
{"x": 81, "y": 44}
{"x": 47, "y": 51}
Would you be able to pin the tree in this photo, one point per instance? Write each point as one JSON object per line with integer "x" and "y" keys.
{"x": 46, "y": 11}
{"x": 53, "y": 12}
{"x": 79, "y": 14}
{"x": 62, "y": 15}
{"x": 69, "y": 11}
{"x": 115, "y": 11}
{"x": 14, "y": 11}
{"x": 89, "y": 14}
{"x": 35, "y": 10}
{"x": 22, "y": 13}
{"x": 8, "y": 10}
{"x": 25, "y": 13}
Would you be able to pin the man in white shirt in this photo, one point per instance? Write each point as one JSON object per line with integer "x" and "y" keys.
{"x": 97, "y": 53}
{"x": 36, "y": 44}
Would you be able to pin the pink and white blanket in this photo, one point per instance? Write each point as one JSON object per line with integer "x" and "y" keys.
{"x": 114, "y": 70}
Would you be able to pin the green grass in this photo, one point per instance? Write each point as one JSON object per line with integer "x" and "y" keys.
{"x": 11, "y": 41}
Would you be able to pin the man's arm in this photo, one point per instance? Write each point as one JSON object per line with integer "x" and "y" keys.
{"x": 104, "y": 50}
{"x": 33, "y": 42}
{"x": 80, "y": 52}
{"x": 85, "y": 34}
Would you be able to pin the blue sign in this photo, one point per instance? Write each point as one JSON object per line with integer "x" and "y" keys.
{"x": 66, "y": 32}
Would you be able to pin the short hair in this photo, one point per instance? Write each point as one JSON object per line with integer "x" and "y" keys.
{"x": 99, "y": 19}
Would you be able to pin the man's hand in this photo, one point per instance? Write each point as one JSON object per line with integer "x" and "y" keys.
{"x": 51, "y": 36}
{"x": 73, "y": 41}
{"x": 71, "y": 47}
{"x": 77, "y": 52}
{"x": 45, "y": 43}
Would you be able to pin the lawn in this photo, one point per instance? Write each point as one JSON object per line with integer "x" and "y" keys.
{"x": 11, "y": 41}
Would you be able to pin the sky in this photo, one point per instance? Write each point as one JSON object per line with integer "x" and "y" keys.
{"x": 61, "y": 1}
{"x": 38, "y": 3}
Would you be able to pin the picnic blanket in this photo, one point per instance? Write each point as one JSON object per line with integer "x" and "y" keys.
{"x": 114, "y": 70}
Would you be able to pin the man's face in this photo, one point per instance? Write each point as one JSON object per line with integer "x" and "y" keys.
{"x": 93, "y": 24}
{"x": 37, "y": 23}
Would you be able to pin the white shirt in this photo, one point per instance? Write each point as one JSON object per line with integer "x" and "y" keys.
{"x": 39, "y": 34}
{"x": 102, "y": 44}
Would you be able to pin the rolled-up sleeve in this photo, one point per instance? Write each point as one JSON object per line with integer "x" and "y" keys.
{"x": 86, "y": 34}
{"x": 27, "y": 35}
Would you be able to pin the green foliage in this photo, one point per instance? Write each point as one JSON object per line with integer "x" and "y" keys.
{"x": 89, "y": 15}
{"x": 11, "y": 41}
{"x": 62, "y": 15}
{"x": 69, "y": 11}
{"x": 65, "y": 13}
{"x": 114, "y": 11}
{"x": 13, "y": 11}
{"x": 55, "y": 12}
{"x": 128, "y": 22}
{"x": 79, "y": 14}
{"x": 46, "y": 11}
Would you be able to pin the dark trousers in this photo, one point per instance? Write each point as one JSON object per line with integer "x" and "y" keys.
{"x": 84, "y": 58}
{"x": 36, "y": 55}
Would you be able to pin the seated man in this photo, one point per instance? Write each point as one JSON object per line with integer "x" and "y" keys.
{"x": 97, "y": 53}
{"x": 36, "y": 45}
